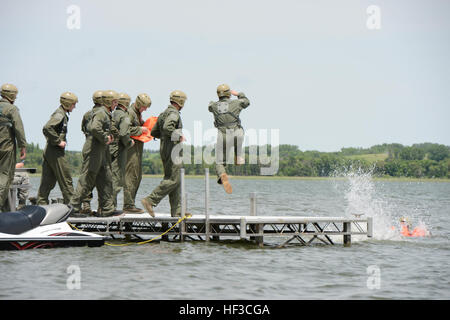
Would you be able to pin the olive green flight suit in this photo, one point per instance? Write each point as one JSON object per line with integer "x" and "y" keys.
{"x": 168, "y": 129}
{"x": 133, "y": 170}
{"x": 118, "y": 148}
{"x": 55, "y": 166}
{"x": 96, "y": 167}
{"x": 12, "y": 134}
{"x": 87, "y": 117}
{"x": 230, "y": 132}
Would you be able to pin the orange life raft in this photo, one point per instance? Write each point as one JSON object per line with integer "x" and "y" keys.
{"x": 146, "y": 137}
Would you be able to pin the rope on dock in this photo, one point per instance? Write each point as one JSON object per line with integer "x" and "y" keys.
{"x": 142, "y": 242}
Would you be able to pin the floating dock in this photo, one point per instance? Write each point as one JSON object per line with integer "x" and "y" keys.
{"x": 279, "y": 231}
{"x": 262, "y": 230}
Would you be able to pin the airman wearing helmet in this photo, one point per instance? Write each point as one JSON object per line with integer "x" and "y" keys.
{"x": 178, "y": 97}
{"x": 223, "y": 90}
{"x": 98, "y": 160}
{"x": 68, "y": 101}
{"x": 110, "y": 99}
{"x": 9, "y": 92}
{"x": 87, "y": 117}
{"x": 133, "y": 172}
{"x": 12, "y": 135}
{"x": 169, "y": 129}
{"x": 230, "y": 132}
{"x": 97, "y": 97}
{"x": 121, "y": 122}
{"x": 124, "y": 100}
{"x": 55, "y": 166}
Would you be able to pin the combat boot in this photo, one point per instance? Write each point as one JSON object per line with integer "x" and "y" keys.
{"x": 77, "y": 214}
{"x": 86, "y": 208}
{"x": 110, "y": 214}
{"x": 133, "y": 210}
{"x": 148, "y": 206}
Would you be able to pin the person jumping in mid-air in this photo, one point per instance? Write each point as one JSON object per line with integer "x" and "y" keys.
{"x": 230, "y": 132}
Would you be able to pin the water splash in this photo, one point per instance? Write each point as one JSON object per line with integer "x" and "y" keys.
{"x": 363, "y": 199}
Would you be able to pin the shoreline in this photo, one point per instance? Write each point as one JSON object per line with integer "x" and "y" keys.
{"x": 213, "y": 176}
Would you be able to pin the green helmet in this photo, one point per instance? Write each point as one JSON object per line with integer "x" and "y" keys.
{"x": 223, "y": 90}
{"x": 67, "y": 99}
{"x": 179, "y": 97}
{"x": 108, "y": 97}
{"x": 97, "y": 97}
{"x": 143, "y": 100}
{"x": 124, "y": 100}
{"x": 9, "y": 91}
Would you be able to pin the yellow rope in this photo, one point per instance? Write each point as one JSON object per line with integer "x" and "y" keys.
{"x": 142, "y": 242}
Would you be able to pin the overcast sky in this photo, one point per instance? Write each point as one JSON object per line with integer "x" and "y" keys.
{"x": 312, "y": 69}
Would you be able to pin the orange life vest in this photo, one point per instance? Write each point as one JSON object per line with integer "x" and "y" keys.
{"x": 146, "y": 137}
{"x": 417, "y": 232}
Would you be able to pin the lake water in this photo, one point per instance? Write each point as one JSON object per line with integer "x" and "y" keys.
{"x": 386, "y": 266}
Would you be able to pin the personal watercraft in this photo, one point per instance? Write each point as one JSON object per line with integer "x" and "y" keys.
{"x": 45, "y": 226}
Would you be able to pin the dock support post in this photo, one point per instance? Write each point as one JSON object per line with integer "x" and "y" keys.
{"x": 260, "y": 239}
{"x": 183, "y": 205}
{"x": 253, "y": 212}
{"x": 370, "y": 227}
{"x": 164, "y": 227}
{"x": 243, "y": 228}
{"x": 347, "y": 237}
{"x": 207, "y": 226}
{"x": 253, "y": 203}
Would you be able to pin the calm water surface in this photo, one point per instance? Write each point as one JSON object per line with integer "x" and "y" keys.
{"x": 408, "y": 268}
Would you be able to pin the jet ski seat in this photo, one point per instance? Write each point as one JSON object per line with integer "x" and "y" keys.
{"x": 56, "y": 213}
{"x": 18, "y": 222}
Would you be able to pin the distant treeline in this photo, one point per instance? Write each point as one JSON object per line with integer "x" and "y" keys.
{"x": 424, "y": 160}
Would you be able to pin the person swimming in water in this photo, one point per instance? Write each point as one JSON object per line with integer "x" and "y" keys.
{"x": 406, "y": 227}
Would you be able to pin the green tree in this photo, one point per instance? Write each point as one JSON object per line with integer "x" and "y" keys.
{"x": 438, "y": 152}
{"x": 411, "y": 153}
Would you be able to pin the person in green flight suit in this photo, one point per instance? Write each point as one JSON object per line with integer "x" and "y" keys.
{"x": 168, "y": 129}
{"x": 230, "y": 135}
{"x": 119, "y": 147}
{"x": 55, "y": 167}
{"x": 133, "y": 171}
{"x": 87, "y": 117}
{"x": 12, "y": 135}
{"x": 98, "y": 160}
